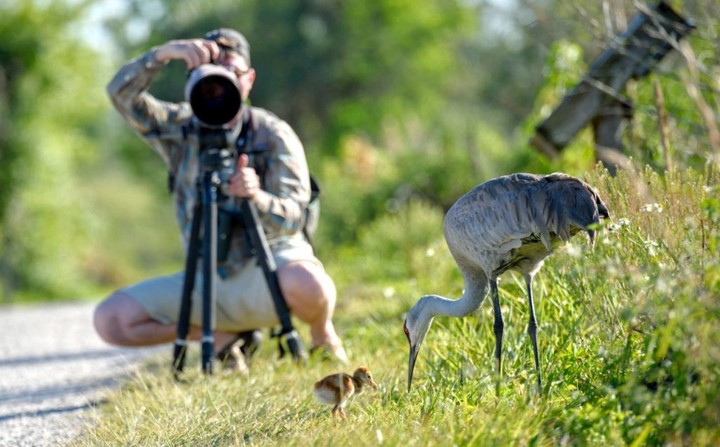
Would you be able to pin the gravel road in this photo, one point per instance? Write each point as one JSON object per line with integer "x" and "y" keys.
{"x": 53, "y": 367}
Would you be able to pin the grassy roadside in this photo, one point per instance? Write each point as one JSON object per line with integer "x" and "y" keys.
{"x": 629, "y": 339}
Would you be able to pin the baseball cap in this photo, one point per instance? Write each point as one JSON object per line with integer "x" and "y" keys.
{"x": 230, "y": 40}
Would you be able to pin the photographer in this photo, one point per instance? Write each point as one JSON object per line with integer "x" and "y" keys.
{"x": 145, "y": 313}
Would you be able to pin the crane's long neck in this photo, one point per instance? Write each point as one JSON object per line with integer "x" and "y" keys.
{"x": 419, "y": 319}
{"x": 472, "y": 297}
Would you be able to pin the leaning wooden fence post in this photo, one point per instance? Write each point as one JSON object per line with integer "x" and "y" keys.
{"x": 651, "y": 34}
{"x": 608, "y": 126}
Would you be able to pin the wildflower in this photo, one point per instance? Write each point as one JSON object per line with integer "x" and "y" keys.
{"x": 651, "y": 208}
{"x": 651, "y": 246}
{"x": 573, "y": 250}
{"x": 615, "y": 226}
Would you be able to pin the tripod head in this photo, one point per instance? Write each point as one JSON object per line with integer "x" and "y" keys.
{"x": 215, "y": 153}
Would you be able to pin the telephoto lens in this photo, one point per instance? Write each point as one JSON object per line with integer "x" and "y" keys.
{"x": 213, "y": 94}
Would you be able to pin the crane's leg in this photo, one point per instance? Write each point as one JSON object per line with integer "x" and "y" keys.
{"x": 498, "y": 326}
{"x": 532, "y": 330}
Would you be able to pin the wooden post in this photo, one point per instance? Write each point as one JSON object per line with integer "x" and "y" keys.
{"x": 608, "y": 126}
{"x": 632, "y": 54}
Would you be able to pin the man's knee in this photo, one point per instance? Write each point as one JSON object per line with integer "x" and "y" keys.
{"x": 306, "y": 284}
{"x": 111, "y": 315}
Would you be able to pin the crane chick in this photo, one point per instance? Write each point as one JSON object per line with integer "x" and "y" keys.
{"x": 336, "y": 389}
{"x": 512, "y": 222}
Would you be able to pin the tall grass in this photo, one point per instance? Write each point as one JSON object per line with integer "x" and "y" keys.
{"x": 629, "y": 340}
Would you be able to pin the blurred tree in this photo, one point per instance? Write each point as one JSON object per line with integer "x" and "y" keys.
{"x": 48, "y": 112}
{"x": 59, "y": 186}
{"x": 396, "y": 101}
{"x": 331, "y": 67}
{"x": 444, "y": 87}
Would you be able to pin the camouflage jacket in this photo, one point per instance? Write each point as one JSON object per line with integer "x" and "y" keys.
{"x": 285, "y": 180}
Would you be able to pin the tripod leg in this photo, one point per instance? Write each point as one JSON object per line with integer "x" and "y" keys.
{"x": 267, "y": 262}
{"x": 183, "y": 324}
{"x": 209, "y": 268}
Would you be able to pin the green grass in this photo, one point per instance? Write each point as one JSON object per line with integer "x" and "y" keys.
{"x": 629, "y": 339}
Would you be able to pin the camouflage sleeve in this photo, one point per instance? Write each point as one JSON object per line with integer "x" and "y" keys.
{"x": 142, "y": 111}
{"x": 286, "y": 190}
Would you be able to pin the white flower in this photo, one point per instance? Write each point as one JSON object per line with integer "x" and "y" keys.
{"x": 651, "y": 208}
{"x": 651, "y": 247}
{"x": 615, "y": 226}
{"x": 379, "y": 436}
{"x": 574, "y": 250}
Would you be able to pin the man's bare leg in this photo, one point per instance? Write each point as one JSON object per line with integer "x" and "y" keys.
{"x": 311, "y": 296}
{"x": 122, "y": 321}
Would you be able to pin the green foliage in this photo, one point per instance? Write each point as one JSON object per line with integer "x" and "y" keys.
{"x": 50, "y": 110}
{"x": 564, "y": 68}
{"x": 60, "y": 182}
{"x": 386, "y": 245}
{"x": 434, "y": 166}
{"x": 403, "y": 106}
{"x": 331, "y": 68}
{"x": 648, "y": 302}
{"x": 628, "y": 339}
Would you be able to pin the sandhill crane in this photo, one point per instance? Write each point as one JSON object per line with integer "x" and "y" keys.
{"x": 512, "y": 222}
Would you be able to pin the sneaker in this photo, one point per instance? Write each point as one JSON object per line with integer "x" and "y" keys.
{"x": 236, "y": 355}
{"x": 330, "y": 352}
{"x": 251, "y": 342}
{"x": 235, "y": 361}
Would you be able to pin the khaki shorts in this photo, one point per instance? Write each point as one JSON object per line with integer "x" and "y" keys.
{"x": 243, "y": 300}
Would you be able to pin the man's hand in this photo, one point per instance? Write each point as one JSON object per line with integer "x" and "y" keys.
{"x": 245, "y": 182}
{"x": 194, "y": 52}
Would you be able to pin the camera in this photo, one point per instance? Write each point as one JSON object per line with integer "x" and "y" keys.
{"x": 213, "y": 94}
{"x": 215, "y": 99}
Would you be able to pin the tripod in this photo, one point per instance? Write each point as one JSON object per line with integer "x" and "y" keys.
{"x": 205, "y": 217}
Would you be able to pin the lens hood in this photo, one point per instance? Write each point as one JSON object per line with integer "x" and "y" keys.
{"x": 213, "y": 94}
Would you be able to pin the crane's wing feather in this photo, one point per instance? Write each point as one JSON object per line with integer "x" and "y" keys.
{"x": 497, "y": 215}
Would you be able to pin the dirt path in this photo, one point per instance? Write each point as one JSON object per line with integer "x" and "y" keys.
{"x": 53, "y": 367}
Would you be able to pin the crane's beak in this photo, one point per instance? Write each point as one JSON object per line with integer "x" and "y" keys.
{"x": 414, "y": 349}
{"x": 415, "y": 342}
